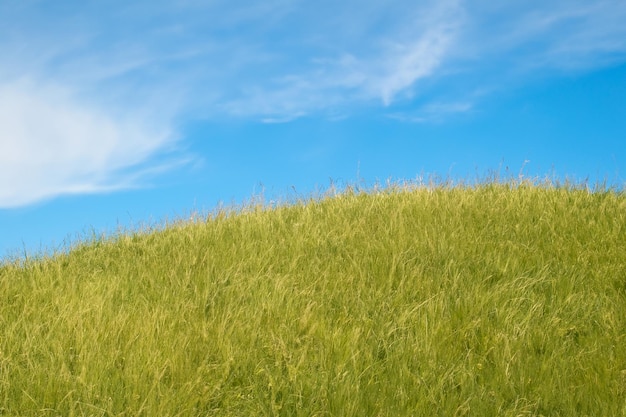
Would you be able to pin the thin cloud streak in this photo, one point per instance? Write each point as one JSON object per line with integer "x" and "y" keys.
{"x": 435, "y": 112}
{"x": 413, "y": 62}
{"x": 521, "y": 37}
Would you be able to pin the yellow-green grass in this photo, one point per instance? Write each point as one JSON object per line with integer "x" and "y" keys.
{"x": 487, "y": 300}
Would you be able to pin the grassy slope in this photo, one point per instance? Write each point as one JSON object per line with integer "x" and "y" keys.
{"x": 494, "y": 300}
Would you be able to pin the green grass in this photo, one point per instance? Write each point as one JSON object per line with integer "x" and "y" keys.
{"x": 490, "y": 300}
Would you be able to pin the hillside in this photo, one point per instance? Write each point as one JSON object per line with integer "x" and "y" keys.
{"x": 491, "y": 300}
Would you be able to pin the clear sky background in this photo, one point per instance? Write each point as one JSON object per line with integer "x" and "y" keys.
{"x": 124, "y": 113}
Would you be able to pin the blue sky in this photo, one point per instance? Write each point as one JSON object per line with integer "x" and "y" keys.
{"x": 118, "y": 114}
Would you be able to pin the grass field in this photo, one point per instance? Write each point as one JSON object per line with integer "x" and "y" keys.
{"x": 499, "y": 299}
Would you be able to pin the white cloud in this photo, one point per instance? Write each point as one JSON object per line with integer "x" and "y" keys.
{"x": 411, "y": 49}
{"x": 588, "y": 35}
{"x": 566, "y": 34}
{"x": 409, "y": 63}
{"x": 51, "y": 145}
{"x": 111, "y": 79}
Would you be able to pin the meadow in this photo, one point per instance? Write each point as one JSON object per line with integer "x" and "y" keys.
{"x": 496, "y": 299}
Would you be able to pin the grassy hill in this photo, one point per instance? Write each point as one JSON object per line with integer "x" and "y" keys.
{"x": 492, "y": 300}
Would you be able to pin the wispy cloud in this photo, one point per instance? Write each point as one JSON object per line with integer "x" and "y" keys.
{"x": 52, "y": 145}
{"x": 413, "y": 47}
{"x": 559, "y": 34}
{"x": 93, "y": 92}
{"x": 412, "y": 62}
